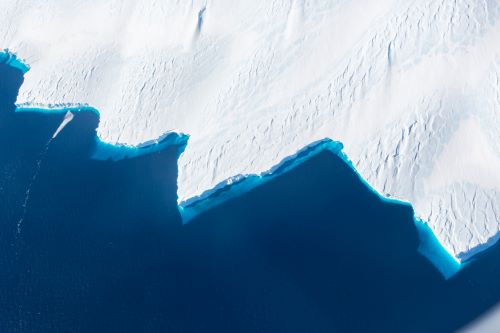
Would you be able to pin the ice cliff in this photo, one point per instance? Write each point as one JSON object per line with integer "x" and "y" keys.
{"x": 411, "y": 88}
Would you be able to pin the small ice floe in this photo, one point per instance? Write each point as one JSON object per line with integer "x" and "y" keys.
{"x": 68, "y": 117}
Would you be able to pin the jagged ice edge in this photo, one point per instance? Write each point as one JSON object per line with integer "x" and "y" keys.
{"x": 430, "y": 247}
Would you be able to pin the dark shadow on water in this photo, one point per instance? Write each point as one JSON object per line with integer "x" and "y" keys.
{"x": 102, "y": 247}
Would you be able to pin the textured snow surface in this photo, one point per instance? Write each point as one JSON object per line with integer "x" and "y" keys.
{"x": 411, "y": 88}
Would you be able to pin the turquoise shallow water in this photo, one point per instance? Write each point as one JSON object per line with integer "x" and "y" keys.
{"x": 100, "y": 245}
{"x": 431, "y": 248}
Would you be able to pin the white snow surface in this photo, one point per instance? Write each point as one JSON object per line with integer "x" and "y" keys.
{"x": 410, "y": 87}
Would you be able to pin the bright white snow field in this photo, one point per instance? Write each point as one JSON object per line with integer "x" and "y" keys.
{"x": 410, "y": 87}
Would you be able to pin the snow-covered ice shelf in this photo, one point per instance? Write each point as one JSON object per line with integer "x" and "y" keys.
{"x": 411, "y": 88}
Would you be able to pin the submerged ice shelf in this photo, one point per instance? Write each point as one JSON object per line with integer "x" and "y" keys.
{"x": 411, "y": 89}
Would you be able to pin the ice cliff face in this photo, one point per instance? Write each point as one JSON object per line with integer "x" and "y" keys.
{"x": 411, "y": 88}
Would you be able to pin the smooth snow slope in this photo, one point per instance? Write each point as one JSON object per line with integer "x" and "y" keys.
{"x": 411, "y": 88}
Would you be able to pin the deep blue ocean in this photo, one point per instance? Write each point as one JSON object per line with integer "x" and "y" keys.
{"x": 89, "y": 245}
